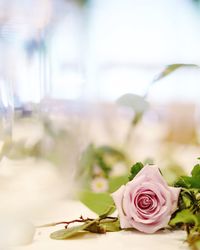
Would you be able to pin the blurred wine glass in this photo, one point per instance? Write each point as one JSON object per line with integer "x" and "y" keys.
{"x": 6, "y": 112}
{"x": 22, "y": 24}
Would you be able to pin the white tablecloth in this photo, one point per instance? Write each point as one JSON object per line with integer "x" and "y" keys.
{"x": 67, "y": 210}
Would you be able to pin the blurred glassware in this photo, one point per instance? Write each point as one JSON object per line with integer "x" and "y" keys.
{"x": 21, "y": 25}
{"x": 6, "y": 112}
{"x": 41, "y": 57}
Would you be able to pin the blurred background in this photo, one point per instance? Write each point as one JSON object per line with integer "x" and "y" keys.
{"x": 83, "y": 95}
{"x": 98, "y": 50}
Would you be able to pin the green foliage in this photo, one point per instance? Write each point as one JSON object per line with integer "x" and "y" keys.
{"x": 139, "y": 105}
{"x": 192, "y": 181}
{"x": 104, "y": 157}
{"x": 196, "y": 171}
{"x": 167, "y": 71}
{"x": 82, "y": 3}
{"x": 109, "y": 210}
{"x": 67, "y": 233}
{"x": 171, "y": 68}
{"x": 136, "y": 102}
{"x": 193, "y": 240}
{"x": 86, "y": 162}
{"x": 185, "y": 216}
{"x": 117, "y": 182}
{"x": 135, "y": 169}
{"x": 188, "y": 214}
{"x": 110, "y": 151}
{"x": 190, "y": 221}
{"x": 99, "y": 226}
{"x": 97, "y": 202}
{"x": 111, "y": 226}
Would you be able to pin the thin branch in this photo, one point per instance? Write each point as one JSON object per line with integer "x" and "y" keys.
{"x": 80, "y": 220}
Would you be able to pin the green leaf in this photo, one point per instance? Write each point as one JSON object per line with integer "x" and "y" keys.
{"x": 196, "y": 171}
{"x": 186, "y": 201}
{"x": 136, "y": 102}
{"x": 96, "y": 228}
{"x": 185, "y": 217}
{"x": 66, "y": 233}
{"x": 87, "y": 161}
{"x": 137, "y": 118}
{"x": 110, "y": 151}
{"x": 97, "y": 202}
{"x": 189, "y": 199}
{"x": 111, "y": 226}
{"x": 106, "y": 168}
{"x": 107, "y": 212}
{"x": 171, "y": 68}
{"x": 195, "y": 182}
{"x": 188, "y": 182}
{"x": 135, "y": 169}
{"x": 193, "y": 238}
{"x": 195, "y": 245}
{"x": 117, "y": 182}
{"x": 183, "y": 181}
{"x": 148, "y": 161}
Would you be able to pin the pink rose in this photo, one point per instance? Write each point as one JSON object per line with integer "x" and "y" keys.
{"x": 147, "y": 202}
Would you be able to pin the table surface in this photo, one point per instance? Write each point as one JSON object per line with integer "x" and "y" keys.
{"x": 68, "y": 210}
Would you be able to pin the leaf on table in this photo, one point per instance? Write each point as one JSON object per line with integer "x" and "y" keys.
{"x": 135, "y": 169}
{"x": 97, "y": 202}
{"x": 67, "y": 233}
{"x": 105, "y": 225}
{"x": 96, "y": 228}
{"x": 111, "y": 226}
{"x": 136, "y": 102}
{"x": 109, "y": 210}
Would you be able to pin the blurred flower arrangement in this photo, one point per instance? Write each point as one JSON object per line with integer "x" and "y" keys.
{"x": 105, "y": 168}
{"x": 101, "y": 168}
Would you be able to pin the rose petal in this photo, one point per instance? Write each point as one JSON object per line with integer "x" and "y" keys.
{"x": 118, "y": 198}
{"x": 153, "y": 227}
{"x": 152, "y": 173}
{"x": 175, "y": 194}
